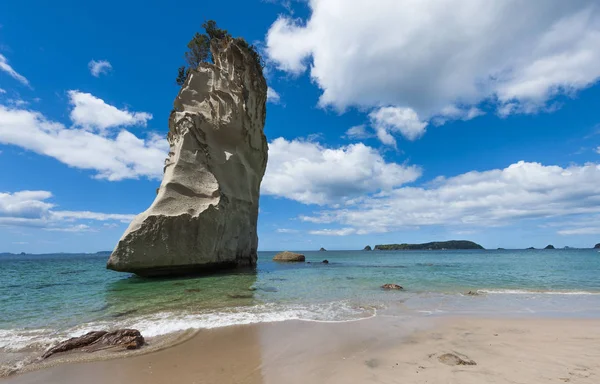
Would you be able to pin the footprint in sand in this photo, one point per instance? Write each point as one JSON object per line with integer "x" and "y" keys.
{"x": 452, "y": 360}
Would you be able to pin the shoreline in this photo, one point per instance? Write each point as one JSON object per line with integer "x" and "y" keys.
{"x": 382, "y": 348}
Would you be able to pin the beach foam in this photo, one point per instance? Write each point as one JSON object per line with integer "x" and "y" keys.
{"x": 164, "y": 323}
{"x": 534, "y": 292}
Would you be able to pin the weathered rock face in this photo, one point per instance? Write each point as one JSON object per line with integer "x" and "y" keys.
{"x": 205, "y": 213}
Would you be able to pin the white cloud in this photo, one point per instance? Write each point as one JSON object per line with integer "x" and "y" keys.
{"x": 24, "y": 204}
{"x": 598, "y": 150}
{"x": 491, "y": 198}
{"x": 71, "y": 228}
{"x": 17, "y": 102}
{"x": 313, "y": 174}
{"x": 424, "y": 56}
{"x": 334, "y": 232}
{"x": 2, "y": 91}
{"x": 394, "y": 119}
{"x": 580, "y": 231}
{"x": 4, "y": 66}
{"x": 93, "y": 113}
{"x": 286, "y": 230}
{"x": 273, "y": 96}
{"x": 79, "y": 215}
{"x": 32, "y": 209}
{"x": 99, "y": 67}
{"x": 358, "y": 132}
{"x": 115, "y": 157}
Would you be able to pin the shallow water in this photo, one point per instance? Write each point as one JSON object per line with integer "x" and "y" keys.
{"x": 44, "y": 298}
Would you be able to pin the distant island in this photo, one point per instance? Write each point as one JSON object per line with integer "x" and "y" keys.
{"x": 597, "y": 246}
{"x": 549, "y": 246}
{"x": 435, "y": 245}
{"x": 367, "y": 248}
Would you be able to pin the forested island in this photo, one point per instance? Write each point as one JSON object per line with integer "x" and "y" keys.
{"x": 435, "y": 245}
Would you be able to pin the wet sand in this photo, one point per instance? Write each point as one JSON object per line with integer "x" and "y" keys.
{"x": 379, "y": 350}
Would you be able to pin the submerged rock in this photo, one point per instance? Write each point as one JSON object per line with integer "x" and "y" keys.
{"x": 392, "y": 286}
{"x": 325, "y": 261}
{"x": 96, "y": 340}
{"x": 204, "y": 215}
{"x": 289, "y": 257}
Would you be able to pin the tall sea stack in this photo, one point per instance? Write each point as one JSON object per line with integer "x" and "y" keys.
{"x": 205, "y": 213}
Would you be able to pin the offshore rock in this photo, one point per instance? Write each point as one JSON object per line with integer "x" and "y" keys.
{"x": 287, "y": 256}
{"x": 205, "y": 212}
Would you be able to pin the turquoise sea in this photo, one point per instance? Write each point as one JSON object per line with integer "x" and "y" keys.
{"x": 45, "y": 298}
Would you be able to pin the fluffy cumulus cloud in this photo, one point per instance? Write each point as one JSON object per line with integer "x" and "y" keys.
{"x": 310, "y": 173}
{"x": 99, "y": 67}
{"x": 273, "y": 96}
{"x": 112, "y": 155}
{"x": 403, "y": 120}
{"x": 5, "y": 67}
{"x": 93, "y": 113}
{"x": 435, "y": 60}
{"x": 33, "y": 209}
{"x": 474, "y": 199}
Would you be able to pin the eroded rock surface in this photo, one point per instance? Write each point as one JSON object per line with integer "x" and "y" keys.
{"x": 204, "y": 215}
{"x": 96, "y": 340}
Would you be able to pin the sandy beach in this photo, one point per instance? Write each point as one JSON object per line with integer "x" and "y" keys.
{"x": 378, "y": 350}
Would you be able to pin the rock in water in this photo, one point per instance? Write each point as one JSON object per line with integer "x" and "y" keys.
{"x": 204, "y": 215}
{"x": 289, "y": 257}
{"x": 391, "y": 286}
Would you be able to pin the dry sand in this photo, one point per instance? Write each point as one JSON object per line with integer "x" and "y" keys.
{"x": 378, "y": 350}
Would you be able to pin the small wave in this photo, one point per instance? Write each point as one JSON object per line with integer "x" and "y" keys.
{"x": 534, "y": 292}
{"x": 163, "y": 323}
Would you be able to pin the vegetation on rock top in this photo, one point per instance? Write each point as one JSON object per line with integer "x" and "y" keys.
{"x": 199, "y": 49}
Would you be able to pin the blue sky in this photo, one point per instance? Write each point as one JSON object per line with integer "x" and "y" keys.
{"x": 388, "y": 121}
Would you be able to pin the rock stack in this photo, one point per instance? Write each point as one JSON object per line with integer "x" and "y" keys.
{"x": 204, "y": 215}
